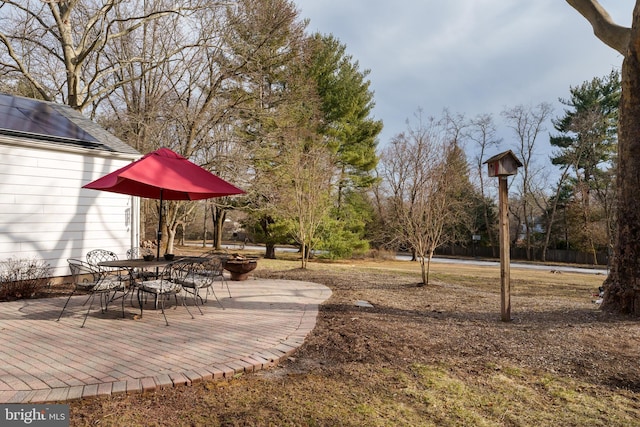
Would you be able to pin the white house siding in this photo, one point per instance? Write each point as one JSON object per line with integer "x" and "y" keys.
{"x": 44, "y": 212}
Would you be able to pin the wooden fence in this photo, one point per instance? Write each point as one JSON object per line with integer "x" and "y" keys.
{"x": 553, "y": 255}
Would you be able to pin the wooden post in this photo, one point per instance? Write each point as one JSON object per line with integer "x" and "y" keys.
{"x": 502, "y": 165}
{"x": 505, "y": 258}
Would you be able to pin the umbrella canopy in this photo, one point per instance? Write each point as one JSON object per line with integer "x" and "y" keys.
{"x": 164, "y": 175}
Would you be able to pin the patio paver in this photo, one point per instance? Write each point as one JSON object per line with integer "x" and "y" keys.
{"x": 45, "y": 360}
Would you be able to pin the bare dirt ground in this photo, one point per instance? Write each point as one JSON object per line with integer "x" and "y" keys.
{"x": 434, "y": 355}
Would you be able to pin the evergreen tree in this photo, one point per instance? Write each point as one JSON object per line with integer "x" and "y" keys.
{"x": 268, "y": 42}
{"x": 346, "y": 104}
{"x": 463, "y": 196}
{"x": 587, "y": 144}
{"x": 346, "y": 125}
{"x": 587, "y": 132}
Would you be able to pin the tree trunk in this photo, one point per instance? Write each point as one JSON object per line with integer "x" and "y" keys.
{"x": 270, "y": 246}
{"x": 622, "y": 287}
{"x": 218, "y": 216}
{"x": 204, "y": 227}
{"x": 429, "y": 263}
{"x": 270, "y": 251}
{"x": 423, "y": 269}
{"x": 171, "y": 237}
{"x": 527, "y": 231}
{"x": 303, "y": 251}
{"x": 552, "y": 216}
{"x": 489, "y": 226}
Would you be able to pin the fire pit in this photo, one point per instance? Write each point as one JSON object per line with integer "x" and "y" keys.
{"x": 240, "y": 267}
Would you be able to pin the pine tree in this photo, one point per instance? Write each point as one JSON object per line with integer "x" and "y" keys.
{"x": 587, "y": 143}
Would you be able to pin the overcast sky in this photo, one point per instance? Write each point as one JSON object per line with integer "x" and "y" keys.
{"x": 470, "y": 56}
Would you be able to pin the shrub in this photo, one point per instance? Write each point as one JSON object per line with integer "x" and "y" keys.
{"x": 382, "y": 254}
{"x": 22, "y": 278}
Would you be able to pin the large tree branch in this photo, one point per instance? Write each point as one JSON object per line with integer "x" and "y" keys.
{"x": 20, "y": 66}
{"x": 610, "y": 33}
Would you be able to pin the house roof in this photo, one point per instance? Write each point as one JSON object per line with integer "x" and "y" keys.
{"x": 32, "y": 119}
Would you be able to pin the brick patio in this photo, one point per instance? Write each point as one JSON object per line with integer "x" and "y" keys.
{"x": 47, "y": 361}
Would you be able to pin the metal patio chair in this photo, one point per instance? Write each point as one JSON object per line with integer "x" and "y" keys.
{"x": 96, "y": 256}
{"x": 113, "y": 274}
{"x": 138, "y": 253}
{"x": 201, "y": 275}
{"x": 216, "y": 267}
{"x": 90, "y": 280}
{"x": 166, "y": 285}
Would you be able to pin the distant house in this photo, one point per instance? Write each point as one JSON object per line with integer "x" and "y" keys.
{"x": 47, "y": 153}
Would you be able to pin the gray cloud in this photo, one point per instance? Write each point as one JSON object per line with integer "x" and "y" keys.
{"x": 470, "y": 56}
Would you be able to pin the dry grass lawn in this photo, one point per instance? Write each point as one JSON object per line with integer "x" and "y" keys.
{"x": 422, "y": 356}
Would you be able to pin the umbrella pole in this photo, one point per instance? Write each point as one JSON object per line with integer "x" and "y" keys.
{"x": 159, "y": 234}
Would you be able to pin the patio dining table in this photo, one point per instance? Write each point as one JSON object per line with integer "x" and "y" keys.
{"x": 134, "y": 263}
{"x": 151, "y": 285}
{"x": 131, "y": 265}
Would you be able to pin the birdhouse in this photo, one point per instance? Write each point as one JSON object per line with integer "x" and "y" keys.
{"x": 503, "y": 164}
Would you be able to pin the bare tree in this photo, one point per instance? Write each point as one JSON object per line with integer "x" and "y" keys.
{"x": 483, "y": 133}
{"x": 622, "y": 287}
{"x": 304, "y": 186}
{"x": 62, "y": 47}
{"x": 420, "y": 189}
{"x": 269, "y": 33}
{"x": 139, "y": 110}
{"x": 180, "y": 103}
{"x": 527, "y": 124}
{"x": 205, "y": 92}
{"x": 550, "y": 210}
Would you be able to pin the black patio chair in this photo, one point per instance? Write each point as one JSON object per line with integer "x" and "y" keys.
{"x": 216, "y": 267}
{"x": 201, "y": 275}
{"x": 166, "y": 285}
{"x": 88, "y": 279}
{"x": 139, "y": 253}
{"x": 114, "y": 274}
{"x": 96, "y": 256}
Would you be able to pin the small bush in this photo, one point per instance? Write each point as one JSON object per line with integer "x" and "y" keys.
{"x": 22, "y": 278}
{"x": 382, "y": 254}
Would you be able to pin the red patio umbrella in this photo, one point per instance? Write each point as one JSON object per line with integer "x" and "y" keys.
{"x": 164, "y": 175}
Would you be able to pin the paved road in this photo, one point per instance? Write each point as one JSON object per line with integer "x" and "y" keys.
{"x": 595, "y": 270}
